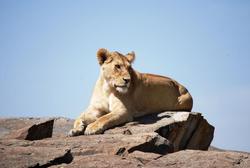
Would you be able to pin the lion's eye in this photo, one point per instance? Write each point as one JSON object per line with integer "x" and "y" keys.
{"x": 117, "y": 66}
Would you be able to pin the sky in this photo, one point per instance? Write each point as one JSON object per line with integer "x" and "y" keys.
{"x": 48, "y": 64}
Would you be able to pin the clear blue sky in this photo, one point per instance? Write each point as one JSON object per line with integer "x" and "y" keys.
{"x": 48, "y": 60}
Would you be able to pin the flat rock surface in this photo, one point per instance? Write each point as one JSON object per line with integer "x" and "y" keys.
{"x": 147, "y": 142}
{"x": 198, "y": 159}
{"x": 25, "y": 155}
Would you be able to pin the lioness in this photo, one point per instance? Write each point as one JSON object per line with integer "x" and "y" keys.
{"x": 121, "y": 93}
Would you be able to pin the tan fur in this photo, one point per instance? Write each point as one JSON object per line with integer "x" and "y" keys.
{"x": 121, "y": 93}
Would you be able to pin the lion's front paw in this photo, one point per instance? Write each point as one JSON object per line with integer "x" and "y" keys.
{"x": 75, "y": 132}
{"x": 93, "y": 128}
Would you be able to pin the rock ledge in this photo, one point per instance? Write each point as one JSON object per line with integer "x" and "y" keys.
{"x": 148, "y": 141}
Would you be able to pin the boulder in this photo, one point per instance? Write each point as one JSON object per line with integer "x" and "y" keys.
{"x": 149, "y": 141}
{"x": 34, "y": 132}
{"x": 184, "y": 130}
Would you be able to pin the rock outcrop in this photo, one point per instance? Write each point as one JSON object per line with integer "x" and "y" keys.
{"x": 34, "y": 132}
{"x": 147, "y": 142}
{"x": 183, "y": 130}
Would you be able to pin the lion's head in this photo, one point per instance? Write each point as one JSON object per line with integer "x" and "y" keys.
{"x": 116, "y": 69}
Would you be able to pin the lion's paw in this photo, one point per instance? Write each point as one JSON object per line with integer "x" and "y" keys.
{"x": 75, "y": 132}
{"x": 93, "y": 128}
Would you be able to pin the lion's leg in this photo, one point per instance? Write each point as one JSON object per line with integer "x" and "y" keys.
{"x": 87, "y": 117}
{"x": 119, "y": 114}
{"x": 78, "y": 128}
{"x": 107, "y": 121}
{"x": 185, "y": 102}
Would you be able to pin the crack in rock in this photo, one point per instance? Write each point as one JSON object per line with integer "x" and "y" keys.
{"x": 120, "y": 151}
{"x": 66, "y": 158}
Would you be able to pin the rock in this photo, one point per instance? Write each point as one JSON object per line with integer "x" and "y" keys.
{"x": 144, "y": 157}
{"x": 183, "y": 129}
{"x": 20, "y": 154}
{"x": 34, "y": 132}
{"x": 116, "y": 144}
{"x": 202, "y": 137}
{"x": 9, "y": 125}
{"x": 205, "y": 159}
{"x": 47, "y": 151}
{"x": 62, "y": 126}
{"x": 103, "y": 161}
{"x": 212, "y": 148}
{"x": 149, "y": 141}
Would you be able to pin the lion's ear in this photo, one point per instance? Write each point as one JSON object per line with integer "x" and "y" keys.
{"x": 103, "y": 56}
{"x": 131, "y": 56}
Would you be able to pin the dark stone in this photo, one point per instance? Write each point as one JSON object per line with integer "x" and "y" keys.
{"x": 34, "y": 132}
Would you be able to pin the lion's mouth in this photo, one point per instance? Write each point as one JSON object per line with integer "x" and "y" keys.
{"x": 121, "y": 86}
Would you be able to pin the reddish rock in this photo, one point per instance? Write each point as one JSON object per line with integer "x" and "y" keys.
{"x": 144, "y": 157}
{"x": 204, "y": 159}
{"x": 21, "y": 154}
{"x": 55, "y": 151}
{"x": 147, "y": 142}
{"x": 103, "y": 161}
{"x": 183, "y": 130}
{"x": 9, "y": 125}
{"x": 34, "y": 132}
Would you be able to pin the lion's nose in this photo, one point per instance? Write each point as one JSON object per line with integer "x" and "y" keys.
{"x": 127, "y": 80}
